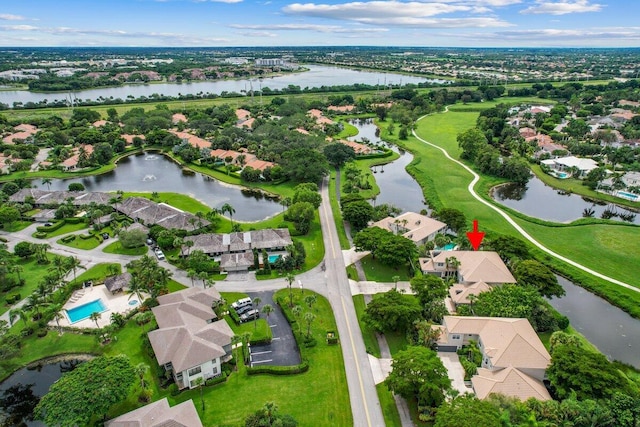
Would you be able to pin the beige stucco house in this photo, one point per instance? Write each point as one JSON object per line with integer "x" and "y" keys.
{"x": 414, "y": 226}
{"x": 159, "y": 414}
{"x": 190, "y": 342}
{"x": 514, "y": 360}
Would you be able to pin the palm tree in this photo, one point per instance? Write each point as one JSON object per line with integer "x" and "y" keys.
{"x": 136, "y": 288}
{"x": 267, "y": 310}
{"x": 113, "y": 269}
{"x": 58, "y": 316}
{"x": 200, "y": 382}
{"x": 192, "y": 274}
{"x": 310, "y": 300}
{"x": 178, "y": 242}
{"x": 235, "y": 340}
{"x": 204, "y": 276}
{"x": 309, "y": 318}
{"x": 290, "y": 279}
{"x": 18, "y": 312}
{"x": 246, "y": 338}
{"x": 297, "y": 311}
{"x": 114, "y": 201}
{"x": 95, "y": 316}
{"x": 395, "y": 281}
{"x": 141, "y": 369}
{"x": 227, "y": 208}
{"x": 58, "y": 267}
{"x": 47, "y": 182}
{"x": 256, "y": 305}
{"x": 17, "y": 269}
{"x": 72, "y": 263}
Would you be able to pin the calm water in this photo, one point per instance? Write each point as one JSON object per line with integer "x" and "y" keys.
{"x": 35, "y": 383}
{"x": 317, "y": 76}
{"x": 155, "y": 172}
{"x": 541, "y": 201}
{"x": 397, "y": 187}
{"x": 614, "y": 332}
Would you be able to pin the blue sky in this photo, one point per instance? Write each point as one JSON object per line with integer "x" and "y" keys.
{"x": 472, "y": 23}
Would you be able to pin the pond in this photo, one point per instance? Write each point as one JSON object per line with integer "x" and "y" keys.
{"x": 538, "y": 200}
{"x": 614, "y": 332}
{"x": 317, "y": 76}
{"x": 397, "y": 187}
{"x": 149, "y": 172}
{"x": 27, "y": 385}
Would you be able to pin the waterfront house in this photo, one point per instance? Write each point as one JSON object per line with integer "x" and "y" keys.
{"x": 467, "y": 267}
{"x": 415, "y": 227}
{"x": 159, "y": 414}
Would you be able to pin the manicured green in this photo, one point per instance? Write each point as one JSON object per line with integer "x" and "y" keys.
{"x": 174, "y": 286}
{"x": 96, "y": 272}
{"x": 388, "y": 406}
{"x": 259, "y": 330}
{"x": 337, "y": 212}
{"x": 83, "y": 244}
{"x": 67, "y": 228}
{"x": 16, "y": 226}
{"x": 378, "y": 272}
{"x": 368, "y": 334}
{"x": 116, "y": 248}
{"x": 313, "y": 244}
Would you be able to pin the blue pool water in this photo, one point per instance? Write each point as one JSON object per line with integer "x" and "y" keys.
{"x": 449, "y": 246}
{"x": 83, "y": 311}
{"x": 133, "y": 302}
{"x": 562, "y": 175}
{"x": 273, "y": 258}
{"x": 630, "y": 196}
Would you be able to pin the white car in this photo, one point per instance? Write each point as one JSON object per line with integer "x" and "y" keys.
{"x": 159, "y": 254}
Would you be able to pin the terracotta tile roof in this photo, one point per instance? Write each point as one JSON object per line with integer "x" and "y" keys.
{"x": 341, "y": 108}
{"x": 177, "y": 118}
{"x": 460, "y": 293}
{"x": 416, "y": 228}
{"x": 260, "y": 165}
{"x": 475, "y": 266}
{"x": 242, "y": 114}
{"x": 25, "y": 131}
{"x": 128, "y": 138}
{"x": 192, "y": 139}
{"x": 357, "y": 147}
{"x": 99, "y": 123}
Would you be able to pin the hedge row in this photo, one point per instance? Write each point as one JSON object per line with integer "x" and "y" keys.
{"x": 216, "y": 380}
{"x": 68, "y": 238}
{"x": 279, "y": 370}
{"x": 50, "y": 228}
{"x": 12, "y": 299}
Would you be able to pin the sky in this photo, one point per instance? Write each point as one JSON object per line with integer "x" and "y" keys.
{"x": 220, "y": 23}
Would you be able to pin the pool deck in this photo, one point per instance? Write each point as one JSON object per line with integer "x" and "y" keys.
{"x": 118, "y": 303}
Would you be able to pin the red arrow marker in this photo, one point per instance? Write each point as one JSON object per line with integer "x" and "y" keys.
{"x": 475, "y": 236}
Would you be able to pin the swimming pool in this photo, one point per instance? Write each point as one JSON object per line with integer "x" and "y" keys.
{"x": 273, "y": 258}
{"x": 84, "y": 311}
{"x": 562, "y": 175}
{"x": 449, "y": 246}
{"x": 629, "y": 196}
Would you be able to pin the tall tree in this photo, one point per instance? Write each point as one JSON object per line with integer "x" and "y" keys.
{"x": 532, "y": 273}
{"x": 89, "y": 390}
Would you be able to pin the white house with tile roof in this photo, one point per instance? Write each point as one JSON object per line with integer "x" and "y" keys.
{"x": 159, "y": 414}
{"x": 414, "y": 226}
{"x": 190, "y": 342}
{"x": 473, "y": 266}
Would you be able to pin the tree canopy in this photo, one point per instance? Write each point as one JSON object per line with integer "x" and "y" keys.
{"x": 304, "y": 165}
{"x": 532, "y": 273}
{"x": 392, "y": 311}
{"x": 358, "y": 213}
{"x": 88, "y": 391}
{"x": 338, "y": 154}
{"x": 467, "y": 411}
{"x": 389, "y": 248}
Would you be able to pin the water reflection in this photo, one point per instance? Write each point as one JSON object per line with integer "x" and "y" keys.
{"x": 538, "y": 200}
{"x": 615, "y": 333}
{"x": 156, "y": 173}
{"x": 397, "y": 187}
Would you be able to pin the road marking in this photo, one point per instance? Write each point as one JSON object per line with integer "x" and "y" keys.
{"x": 272, "y": 326}
{"x": 276, "y": 338}
{"x": 357, "y": 363}
{"x": 262, "y": 361}
{"x": 261, "y": 352}
{"x": 326, "y": 218}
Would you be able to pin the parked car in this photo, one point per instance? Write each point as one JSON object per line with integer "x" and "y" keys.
{"x": 250, "y": 315}
{"x": 244, "y": 302}
{"x": 105, "y": 236}
{"x": 242, "y": 310}
{"x": 159, "y": 254}
{"x": 150, "y": 242}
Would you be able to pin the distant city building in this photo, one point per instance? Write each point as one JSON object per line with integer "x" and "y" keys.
{"x": 270, "y": 62}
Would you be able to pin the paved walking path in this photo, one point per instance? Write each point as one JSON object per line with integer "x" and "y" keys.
{"x": 515, "y": 225}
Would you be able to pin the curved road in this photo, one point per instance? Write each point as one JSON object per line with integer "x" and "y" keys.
{"x": 515, "y": 225}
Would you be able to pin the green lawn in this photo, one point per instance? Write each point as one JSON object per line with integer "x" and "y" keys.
{"x": 258, "y": 329}
{"x": 116, "y": 248}
{"x": 337, "y": 212}
{"x": 66, "y": 229}
{"x": 388, "y": 406}
{"x": 83, "y": 244}
{"x": 16, "y": 226}
{"x": 445, "y": 184}
{"x": 378, "y": 272}
{"x": 368, "y": 334}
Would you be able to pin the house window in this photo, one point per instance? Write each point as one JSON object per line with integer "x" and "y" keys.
{"x": 215, "y": 370}
{"x": 455, "y": 337}
{"x": 195, "y": 371}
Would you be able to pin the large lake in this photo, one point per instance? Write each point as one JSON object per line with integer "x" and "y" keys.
{"x": 317, "y": 76}
{"x": 151, "y": 172}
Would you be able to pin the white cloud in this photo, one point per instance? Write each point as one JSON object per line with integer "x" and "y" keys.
{"x": 559, "y": 36}
{"x": 18, "y": 28}
{"x": 10, "y": 17}
{"x": 562, "y": 7}
{"x": 259, "y": 34}
{"x": 309, "y": 27}
{"x": 396, "y": 13}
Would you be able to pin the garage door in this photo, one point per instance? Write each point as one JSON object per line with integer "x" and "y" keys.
{"x": 448, "y": 348}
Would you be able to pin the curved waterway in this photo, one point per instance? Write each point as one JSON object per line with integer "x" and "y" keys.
{"x": 397, "y": 187}
{"x": 614, "y": 332}
{"x": 149, "y": 172}
{"x": 538, "y": 200}
{"x": 28, "y": 385}
{"x": 317, "y": 76}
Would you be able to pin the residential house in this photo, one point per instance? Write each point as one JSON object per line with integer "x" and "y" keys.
{"x": 514, "y": 360}
{"x": 240, "y": 245}
{"x": 344, "y": 109}
{"x": 41, "y": 198}
{"x": 85, "y": 150}
{"x": 358, "y": 148}
{"x": 192, "y": 139}
{"x": 24, "y": 132}
{"x": 416, "y": 227}
{"x": 319, "y": 117}
{"x": 244, "y": 159}
{"x": 563, "y": 165}
{"x": 468, "y": 267}
{"x": 190, "y": 342}
{"x": 461, "y": 294}
{"x": 151, "y": 213}
{"x": 178, "y": 118}
{"x": 159, "y": 414}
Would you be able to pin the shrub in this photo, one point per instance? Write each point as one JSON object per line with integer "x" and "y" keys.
{"x": 42, "y": 333}
{"x": 234, "y": 316}
{"x": 70, "y": 238}
{"x": 217, "y": 380}
{"x": 279, "y": 370}
{"x": 173, "y": 388}
{"x": 310, "y": 342}
{"x": 74, "y": 220}
{"x": 40, "y": 235}
{"x": 50, "y": 228}
{"x": 27, "y": 331}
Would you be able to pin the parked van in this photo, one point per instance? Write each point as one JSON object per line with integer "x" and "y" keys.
{"x": 241, "y": 303}
{"x": 250, "y": 315}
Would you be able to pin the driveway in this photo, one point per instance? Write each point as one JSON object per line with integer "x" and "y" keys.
{"x": 451, "y": 361}
{"x": 283, "y": 350}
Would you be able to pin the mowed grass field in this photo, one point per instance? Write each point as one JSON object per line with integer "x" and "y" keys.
{"x": 608, "y": 249}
